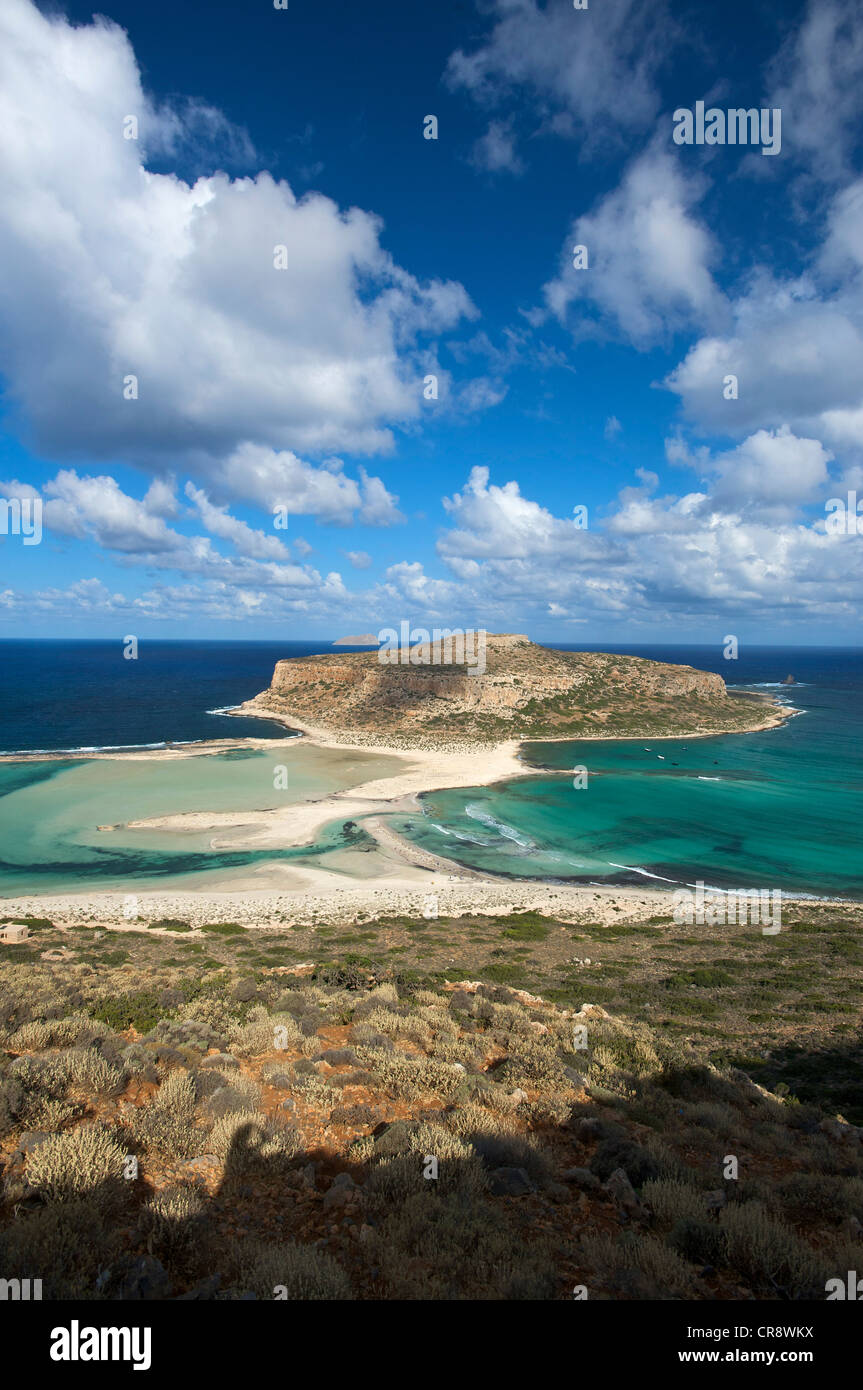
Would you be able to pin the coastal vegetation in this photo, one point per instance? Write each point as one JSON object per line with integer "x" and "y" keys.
{"x": 218, "y": 1115}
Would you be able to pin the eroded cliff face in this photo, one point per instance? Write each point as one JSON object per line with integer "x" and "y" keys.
{"x": 525, "y": 691}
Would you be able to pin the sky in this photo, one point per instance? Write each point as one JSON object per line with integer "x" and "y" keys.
{"x": 276, "y": 364}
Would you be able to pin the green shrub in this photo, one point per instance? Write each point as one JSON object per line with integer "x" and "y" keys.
{"x": 527, "y": 931}
{"x": 140, "y": 1010}
{"x": 705, "y": 977}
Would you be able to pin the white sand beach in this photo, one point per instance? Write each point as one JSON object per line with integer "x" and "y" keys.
{"x": 298, "y": 824}
{"x": 397, "y": 877}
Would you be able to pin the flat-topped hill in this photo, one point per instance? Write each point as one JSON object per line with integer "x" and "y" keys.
{"x": 514, "y": 689}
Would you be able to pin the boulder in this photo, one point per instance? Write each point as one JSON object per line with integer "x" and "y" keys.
{"x": 220, "y": 1060}
{"x": 582, "y": 1177}
{"x": 510, "y": 1182}
{"x": 623, "y": 1194}
{"x": 143, "y": 1278}
{"x": 339, "y": 1057}
{"x": 340, "y": 1192}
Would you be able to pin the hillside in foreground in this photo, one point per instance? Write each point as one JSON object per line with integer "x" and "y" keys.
{"x": 525, "y": 691}
{"x": 283, "y": 1118}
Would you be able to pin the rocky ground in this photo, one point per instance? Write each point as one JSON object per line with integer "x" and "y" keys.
{"x": 185, "y": 1117}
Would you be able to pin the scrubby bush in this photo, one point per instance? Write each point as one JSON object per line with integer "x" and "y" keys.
{"x": 698, "y": 1240}
{"x": 290, "y": 1272}
{"x": 428, "y": 997}
{"x": 65, "y": 1244}
{"x": 78, "y": 1162}
{"x": 769, "y": 1253}
{"x": 408, "y": 1078}
{"x": 173, "y": 1225}
{"x": 51, "y": 1115}
{"x": 412, "y": 1028}
{"x": 640, "y": 1266}
{"x": 192, "y": 1033}
{"x": 246, "y": 1140}
{"x": 384, "y": 994}
{"x": 394, "y": 1179}
{"x": 88, "y": 1072}
{"x": 11, "y": 1103}
{"x": 820, "y": 1195}
{"x": 265, "y": 1033}
{"x": 40, "y": 1034}
{"x": 472, "y": 1118}
{"x": 240, "y": 1093}
{"x": 499, "y": 1150}
{"x": 316, "y": 1089}
{"x": 535, "y": 1064}
{"x": 212, "y": 1010}
{"x": 453, "y": 1247}
{"x": 38, "y": 1076}
{"x": 673, "y": 1201}
{"x": 713, "y": 1115}
{"x": 168, "y": 1122}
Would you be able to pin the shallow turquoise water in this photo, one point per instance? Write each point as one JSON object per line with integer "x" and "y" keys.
{"x": 780, "y": 809}
{"x": 50, "y": 813}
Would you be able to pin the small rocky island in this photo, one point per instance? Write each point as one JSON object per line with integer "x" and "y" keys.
{"x": 525, "y": 691}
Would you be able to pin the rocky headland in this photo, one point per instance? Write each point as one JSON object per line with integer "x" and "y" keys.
{"x": 418, "y": 699}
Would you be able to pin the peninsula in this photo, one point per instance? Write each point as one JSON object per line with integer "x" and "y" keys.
{"x": 526, "y": 691}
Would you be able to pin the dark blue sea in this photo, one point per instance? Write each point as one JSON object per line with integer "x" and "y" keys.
{"x": 782, "y": 808}
{"x": 82, "y": 696}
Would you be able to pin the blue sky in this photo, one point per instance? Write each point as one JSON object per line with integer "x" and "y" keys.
{"x": 303, "y": 387}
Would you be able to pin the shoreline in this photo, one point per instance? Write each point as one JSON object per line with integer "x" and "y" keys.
{"x": 146, "y": 753}
{"x": 335, "y": 739}
{"x": 777, "y": 715}
{"x": 314, "y": 905}
{"x": 294, "y": 826}
{"x": 405, "y": 874}
{"x": 424, "y": 770}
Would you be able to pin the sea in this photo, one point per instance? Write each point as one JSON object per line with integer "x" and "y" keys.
{"x": 778, "y": 809}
